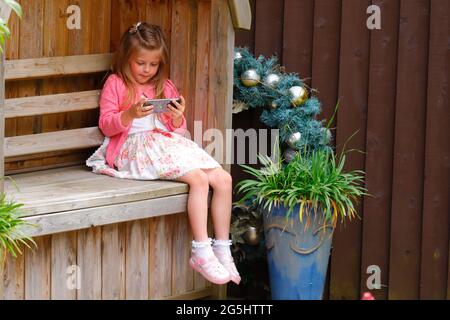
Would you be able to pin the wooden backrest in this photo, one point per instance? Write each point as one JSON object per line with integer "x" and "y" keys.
{"x": 56, "y": 103}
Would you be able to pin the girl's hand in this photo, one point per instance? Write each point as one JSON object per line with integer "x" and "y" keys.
{"x": 138, "y": 110}
{"x": 177, "y": 112}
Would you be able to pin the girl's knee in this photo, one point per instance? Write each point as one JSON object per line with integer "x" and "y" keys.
{"x": 222, "y": 180}
{"x": 198, "y": 179}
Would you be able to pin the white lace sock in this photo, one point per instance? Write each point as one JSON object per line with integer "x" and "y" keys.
{"x": 222, "y": 247}
{"x": 202, "y": 249}
{"x": 223, "y": 253}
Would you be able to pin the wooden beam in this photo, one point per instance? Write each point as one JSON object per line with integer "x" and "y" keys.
{"x": 241, "y": 14}
{"x": 55, "y": 103}
{"x": 57, "y": 66}
{"x": 53, "y": 141}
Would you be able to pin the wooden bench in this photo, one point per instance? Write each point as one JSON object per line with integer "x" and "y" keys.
{"x": 100, "y": 237}
{"x": 66, "y": 200}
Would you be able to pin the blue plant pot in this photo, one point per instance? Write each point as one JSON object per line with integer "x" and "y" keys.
{"x": 297, "y": 258}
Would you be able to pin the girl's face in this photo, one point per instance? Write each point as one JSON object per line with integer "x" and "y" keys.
{"x": 144, "y": 64}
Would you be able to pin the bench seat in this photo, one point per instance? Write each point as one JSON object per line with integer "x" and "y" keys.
{"x": 71, "y": 198}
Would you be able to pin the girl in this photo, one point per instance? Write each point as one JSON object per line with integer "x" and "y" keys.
{"x": 140, "y": 144}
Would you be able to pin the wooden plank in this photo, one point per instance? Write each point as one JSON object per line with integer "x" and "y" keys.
{"x": 85, "y": 189}
{"x": 194, "y": 295}
{"x": 407, "y": 186}
{"x": 182, "y": 273}
{"x": 183, "y": 53}
{"x": 325, "y": 59}
{"x": 56, "y": 103}
{"x": 37, "y": 270}
{"x": 98, "y": 216}
{"x": 298, "y": 33}
{"x": 269, "y": 28}
{"x": 53, "y": 141}
{"x": 379, "y": 147}
{"x": 113, "y": 261}
{"x": 160, "y": 14}
{"x": 241, "y": 14}
{"x": 202, "y": 68}
{"x": 12, "y": 279}
{"x": 353, "y": 88}
{"x": 56, "y": 66}
{"x": 160, "y": 257}
{"x": 137, "y": 258}
{"x": 63, "y": 266}
{"x": 436, "y": 203}
{"x": 90, "y": 265}
{"x": 220, "y": 100}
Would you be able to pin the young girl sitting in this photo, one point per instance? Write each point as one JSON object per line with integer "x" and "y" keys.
{"x": 141, "y": 144}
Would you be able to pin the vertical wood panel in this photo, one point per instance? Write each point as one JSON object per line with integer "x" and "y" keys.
{"x": 12, "y": 283}
{"x": 182, "y": 273}
{"x": 113, "y": 261}
{"x": 89, "y": 261}
{"x": 221, "y": 64}
{"x": 325, "y": 60}
{"x": 353, "y": 88}
{"x": 298, "y": 31}
{"x": 37, "y": 270}
{"x": 409, "y": 150}
{"x": 137, "y": 260}
{"x": 436, "y": 206}
{"x": 63, "y": 257}
{"x": 379, "y": 146}
{"x": 269, "y": 28}
{"x": 160, "y": 257}
{"x": 202, "y": 66}
{"x": 183, "y": 55}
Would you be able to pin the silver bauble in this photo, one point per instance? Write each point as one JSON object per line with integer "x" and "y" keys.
{"x": 298, "y": 95}
{"x": 250, "y": 78}
{"x": 293, "y": 139}
{"x": 289, "y": 154}
{"x": 251, "y": 236}
{"x": 237, "y": 56}
{"x": 272, "y": 80}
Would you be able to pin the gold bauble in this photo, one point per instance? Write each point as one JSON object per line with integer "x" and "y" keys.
{"x": 251, "y": 236}
{"x": 250, "y": 78}
{"x": 299, "y": 95}
{"x": 273, "y": 105}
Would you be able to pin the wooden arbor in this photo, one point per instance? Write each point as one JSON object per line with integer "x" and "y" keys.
{"x": 100, "y": 237}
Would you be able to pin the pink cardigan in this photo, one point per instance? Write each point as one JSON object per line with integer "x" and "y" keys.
{"x": 113, "y": 95}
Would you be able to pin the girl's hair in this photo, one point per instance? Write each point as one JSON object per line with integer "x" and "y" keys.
{"x": 141, "y": 36}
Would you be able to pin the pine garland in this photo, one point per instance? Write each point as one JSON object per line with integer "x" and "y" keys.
{"x": 287, "y": 117}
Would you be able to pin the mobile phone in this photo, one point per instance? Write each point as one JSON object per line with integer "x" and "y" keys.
{"x": 160, "y": 105}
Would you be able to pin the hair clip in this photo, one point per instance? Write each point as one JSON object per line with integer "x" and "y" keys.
{"x": 135, "y": 27}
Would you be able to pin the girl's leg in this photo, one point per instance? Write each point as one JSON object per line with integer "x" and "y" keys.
{"x": 221, "y": 182}
{"x": 221, "y": 204}
{"x": 203, "y": 259}
{"x": 197, "y": 203}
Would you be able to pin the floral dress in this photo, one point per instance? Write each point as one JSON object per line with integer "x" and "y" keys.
{"x": 152, "y": 154}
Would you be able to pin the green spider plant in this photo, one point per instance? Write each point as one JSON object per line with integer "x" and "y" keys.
{"x": 311, "y": 179}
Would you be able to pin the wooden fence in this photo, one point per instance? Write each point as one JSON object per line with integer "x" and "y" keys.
{"x": 392, "y": 85}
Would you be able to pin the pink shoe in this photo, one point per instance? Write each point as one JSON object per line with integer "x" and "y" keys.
{"x": 228, "y": 262}
{"x": 210, "y": 269}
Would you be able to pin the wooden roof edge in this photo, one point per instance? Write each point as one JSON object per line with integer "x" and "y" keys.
{"x": 241, "y": 14}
